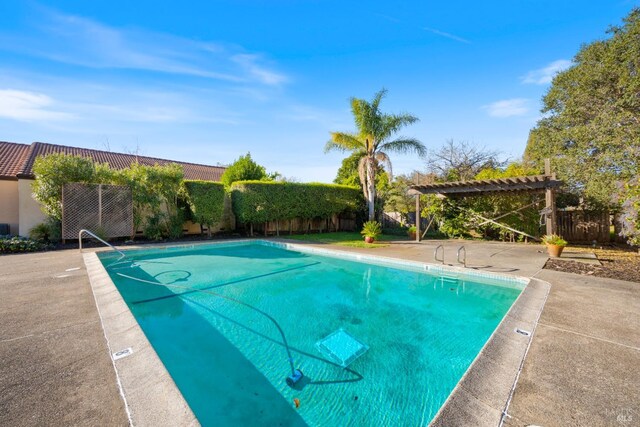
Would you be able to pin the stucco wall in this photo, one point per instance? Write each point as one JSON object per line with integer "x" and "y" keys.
{"x": 9, "y": 205}
{"x": 29, "y": 210}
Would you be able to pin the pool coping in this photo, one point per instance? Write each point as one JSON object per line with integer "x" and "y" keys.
{"x": 481, "y": 396}
{"x": 150, "y": 395}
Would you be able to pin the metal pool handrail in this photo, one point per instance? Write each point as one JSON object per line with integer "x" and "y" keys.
{"x": 435, "y": 254}
{"x": 83, "y": 231}
{"x": 464, "y": 260}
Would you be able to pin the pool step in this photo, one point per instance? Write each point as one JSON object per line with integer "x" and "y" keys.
{"x": 452, "y": 280}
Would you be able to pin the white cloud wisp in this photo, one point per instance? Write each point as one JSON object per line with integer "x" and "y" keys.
{"x": 28, "y": 106}
{"x": 507, "y": 108}
{"x": 543, "y": 76}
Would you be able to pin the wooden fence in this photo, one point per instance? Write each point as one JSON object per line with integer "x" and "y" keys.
{"x": 297, "y": 226}
{"x": 584, "y": 226}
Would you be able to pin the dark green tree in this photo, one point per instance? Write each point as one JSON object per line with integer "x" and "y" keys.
{"x": 243, "y": 169}
{"x": 591, "y": 124}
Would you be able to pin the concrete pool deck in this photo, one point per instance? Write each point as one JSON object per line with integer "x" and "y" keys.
{"x": 581, "y": 368}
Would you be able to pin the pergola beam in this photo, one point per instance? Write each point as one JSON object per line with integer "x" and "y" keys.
{"x": 546, "y": 183}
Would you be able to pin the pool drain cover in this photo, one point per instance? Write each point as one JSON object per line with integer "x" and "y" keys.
{"x": 341, "y": 348}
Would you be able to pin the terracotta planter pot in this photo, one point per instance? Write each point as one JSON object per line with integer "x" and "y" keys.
{"x": 368, "y": 239}
{"x": 412, "y": 235}
{"x": 554, "y": 250}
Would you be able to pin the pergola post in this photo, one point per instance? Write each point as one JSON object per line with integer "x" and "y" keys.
{"x": 550, "y": 201}
{"x": 418, "y": 218}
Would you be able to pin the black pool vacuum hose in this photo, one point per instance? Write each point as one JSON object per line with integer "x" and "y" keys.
{"x": 296, "y": 374}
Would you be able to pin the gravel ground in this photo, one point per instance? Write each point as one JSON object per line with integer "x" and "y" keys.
{"x": 617, "y": 263}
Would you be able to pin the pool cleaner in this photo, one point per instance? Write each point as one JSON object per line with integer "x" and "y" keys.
{"x": 296, "y": 374}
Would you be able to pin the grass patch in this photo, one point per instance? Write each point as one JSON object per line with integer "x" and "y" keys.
{"x": 343, "y": 238}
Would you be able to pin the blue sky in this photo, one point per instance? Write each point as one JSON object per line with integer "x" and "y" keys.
{"x": 208, "y": 81}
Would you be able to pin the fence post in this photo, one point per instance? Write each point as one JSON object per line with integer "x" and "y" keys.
{"x": 100, "y": 205}
{"x": 550, "y": 201}
{"x": 418, "y": 218}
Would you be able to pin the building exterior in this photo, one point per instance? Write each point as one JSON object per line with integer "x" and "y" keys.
{"x": 17, "y": 205}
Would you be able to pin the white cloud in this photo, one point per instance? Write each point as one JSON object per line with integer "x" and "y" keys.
{"x": 28, "y": 106}
{"x": 447, "y": 35}
{"x": 81, "y": 41}
{"x": 543, "y": 76}
{"x": 507, "y": 107}
{"x": 251, "y": 64}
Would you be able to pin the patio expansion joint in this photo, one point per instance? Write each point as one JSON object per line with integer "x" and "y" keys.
{"x": 505, "y": 411}
{"x": 546, "y": 325}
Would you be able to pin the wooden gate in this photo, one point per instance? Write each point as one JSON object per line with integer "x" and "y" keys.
{"x": 579, "y": 226}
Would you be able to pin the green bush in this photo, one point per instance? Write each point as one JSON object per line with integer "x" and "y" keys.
{"x": 371, "y": 229}
{"x": 175, "y": 225}
{"x": 553, "y": 239}
{"x": 155, "y": 191}
{"x": 206, "y": 200}
{"x": 154, "y": 228}
{"x": 9, "y": 245}
{"x": 48, "y": 231}
{"x": 55, "y": 170}
{"x": 243, "y": 169}
{"x": 260, "y": 201}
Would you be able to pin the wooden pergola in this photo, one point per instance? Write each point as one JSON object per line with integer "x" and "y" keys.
{"x": 546, "y": 183}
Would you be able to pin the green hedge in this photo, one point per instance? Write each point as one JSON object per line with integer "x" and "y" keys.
{"x": 260, "y": 201}
{"x": 206, "y": 200}
{"x": 15, "y": 244}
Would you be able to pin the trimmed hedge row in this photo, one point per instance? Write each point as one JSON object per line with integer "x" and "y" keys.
{"x": 206, "y": 200}
{"x": 14, "y": 244}
{"x": 261, "y": 201}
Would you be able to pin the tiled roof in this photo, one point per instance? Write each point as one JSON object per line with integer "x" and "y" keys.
{"x": 12, "y": 157}
{"x": 24, "y": 168}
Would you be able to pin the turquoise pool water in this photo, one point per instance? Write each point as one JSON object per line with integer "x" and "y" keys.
{"x": 228, "y": 358}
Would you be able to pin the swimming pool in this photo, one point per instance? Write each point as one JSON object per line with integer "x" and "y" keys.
{"x": 226, "y": 354}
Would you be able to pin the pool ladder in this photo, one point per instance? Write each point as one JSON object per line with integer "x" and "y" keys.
{"x": 461, "y": 250}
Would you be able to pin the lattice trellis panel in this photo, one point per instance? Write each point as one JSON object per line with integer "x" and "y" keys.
{"x": 105, "y": 209}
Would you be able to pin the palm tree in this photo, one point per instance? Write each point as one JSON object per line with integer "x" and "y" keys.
{"x": 373, "y": 141}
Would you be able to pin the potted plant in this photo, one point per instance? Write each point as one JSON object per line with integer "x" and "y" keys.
{"x": 371, "y": 230}
{"x": 555, "y": 244}
{"x": 411, "y": 232}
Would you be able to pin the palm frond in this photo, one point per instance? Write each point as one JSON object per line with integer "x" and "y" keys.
{"x": 375, "y": 102}
{"x": 343, "y": 142}
{"x": 386, "y": 161}
{"x": 403, "y": 146}
{"x": 392, "y": 123}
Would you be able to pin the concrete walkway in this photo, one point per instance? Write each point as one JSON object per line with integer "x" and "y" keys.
{"x": 55, "y": 368}
{"x": 582, "y": 367}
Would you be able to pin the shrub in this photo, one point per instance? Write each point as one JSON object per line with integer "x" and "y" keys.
{"x": 55, "y": 170}
{"x": 553, "y": 239}
{"x": 39, "y": 232}
{"x": 371, "y": 229}
{"x": 48, "y": 231}
{"x": 175, "y": 224}
{"x": 243, "y": 169}
{"x": 16, "y": 244}
{"x": 206, "y": 200}
{"x": 154, "y": 190}
{"x": 259, "y": 201}
{"x": 153, "y": 227}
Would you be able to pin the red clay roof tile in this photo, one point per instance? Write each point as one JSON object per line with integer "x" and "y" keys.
{"x": 16, "y": 160}
{"x": 12, "y": 157}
